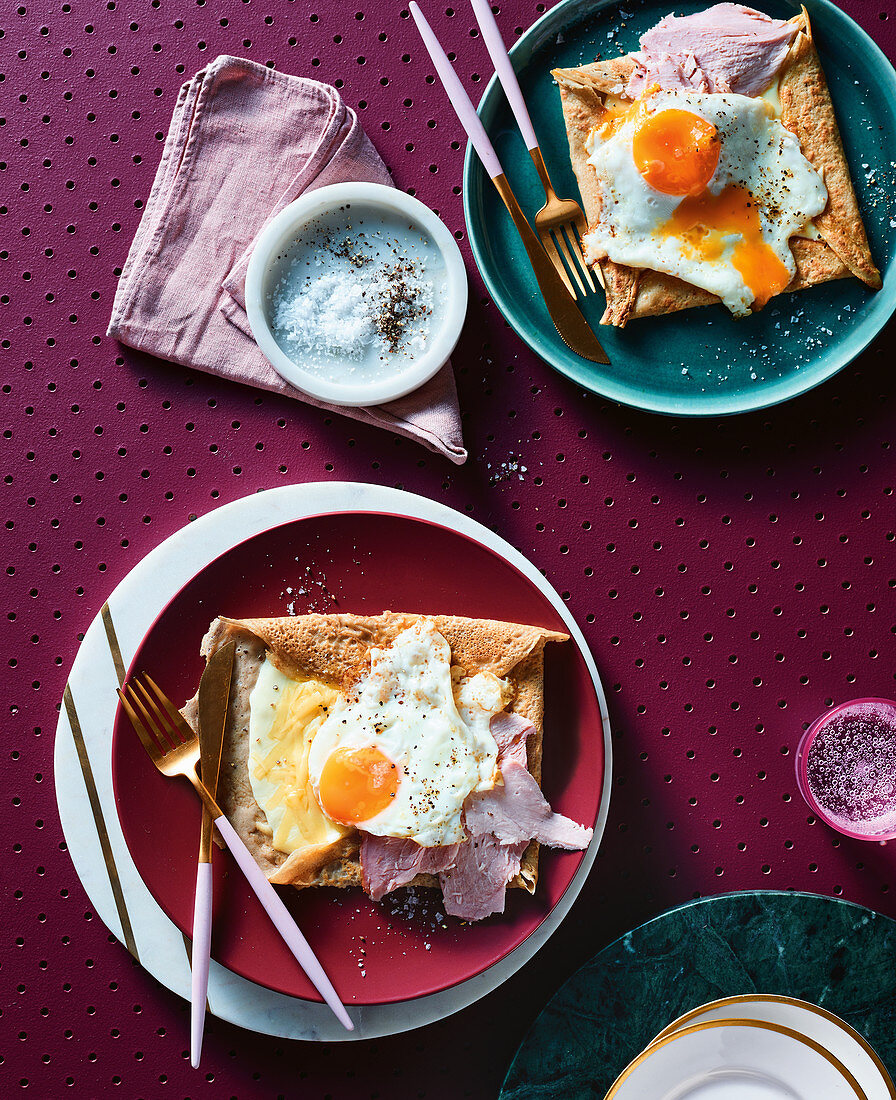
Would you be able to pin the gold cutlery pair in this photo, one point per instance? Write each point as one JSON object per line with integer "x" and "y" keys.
{"x": 175, "y": 750}
{"x": 559, "y": 221}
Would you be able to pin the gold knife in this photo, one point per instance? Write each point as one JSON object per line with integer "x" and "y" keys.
{"x": 572, "y": 327}
{"x": 214, "y": 695}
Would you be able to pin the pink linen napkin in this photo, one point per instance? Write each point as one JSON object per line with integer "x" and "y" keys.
{"x": 245, "y": 141}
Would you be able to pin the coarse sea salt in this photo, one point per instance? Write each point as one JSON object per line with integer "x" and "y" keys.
{"x": 331, "y": 313}
{"x": 357, "y": 294}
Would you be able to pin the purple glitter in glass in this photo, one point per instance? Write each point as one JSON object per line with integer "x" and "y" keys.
{"x": 851, "y": 768}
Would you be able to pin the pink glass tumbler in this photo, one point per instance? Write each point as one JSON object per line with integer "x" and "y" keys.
{"x": 846, "y": 768}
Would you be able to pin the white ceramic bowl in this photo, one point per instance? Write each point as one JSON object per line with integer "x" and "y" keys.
{"x": 815, "y": 1023}
{"x": 735, "y": 1060}
{"x": 267, "y": 264}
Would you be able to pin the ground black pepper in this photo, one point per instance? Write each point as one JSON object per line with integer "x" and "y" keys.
{"x": 399, "y": 305}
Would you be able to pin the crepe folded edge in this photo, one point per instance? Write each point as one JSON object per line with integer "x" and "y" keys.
{"x": 807, "y": 111}
{"x": 334, "y": 649}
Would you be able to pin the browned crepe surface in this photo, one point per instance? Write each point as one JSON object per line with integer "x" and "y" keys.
{"x": 807, "y": 111}
{"x": 334, "y": 649}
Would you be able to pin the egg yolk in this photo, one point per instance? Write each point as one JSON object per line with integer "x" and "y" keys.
{"x": 676, "y": 151}
{"x": 356, "y": 784}
{"x": 703, "y": 221}
{"x": 613, "y": 116}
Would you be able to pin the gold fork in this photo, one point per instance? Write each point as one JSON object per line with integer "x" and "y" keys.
{"x": 560, "y": 222}
{"x": 174, "y": 749}
{"x": 559, "y": 300}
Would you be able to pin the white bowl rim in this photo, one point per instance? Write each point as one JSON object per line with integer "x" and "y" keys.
{"x": 442, "y": 339}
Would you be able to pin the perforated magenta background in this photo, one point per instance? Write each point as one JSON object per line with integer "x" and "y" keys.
{"x": 732, "y": 577}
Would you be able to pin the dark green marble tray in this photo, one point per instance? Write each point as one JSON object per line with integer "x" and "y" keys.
{"x": 832, "y": 953}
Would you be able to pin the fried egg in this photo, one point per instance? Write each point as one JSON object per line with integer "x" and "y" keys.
{"x": 706, "y": 187}
{"x": 396, "y": 755}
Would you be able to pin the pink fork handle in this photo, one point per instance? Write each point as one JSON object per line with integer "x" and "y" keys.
{"x": 504, "y": 69}
{"x": 460, "y": 101}
{"x": 202, "y": 939}
{"x": 282, "y": 920}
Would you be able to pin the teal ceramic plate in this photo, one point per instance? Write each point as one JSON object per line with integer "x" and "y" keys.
{"x": 700, "y": 362}
{"x": 828, "y": 952}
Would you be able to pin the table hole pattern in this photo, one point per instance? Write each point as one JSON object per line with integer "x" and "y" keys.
{"x": 733, "y": 578}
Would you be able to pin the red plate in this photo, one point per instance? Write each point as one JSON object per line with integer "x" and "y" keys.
{"x": 365, "y": 563}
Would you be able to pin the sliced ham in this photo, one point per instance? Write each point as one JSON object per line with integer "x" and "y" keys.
{"x": 726, "y": 48}
{"x": 388, "y": 862}
{"x": 510, "y": 732}
{"x": 499, "y": 824}
{"x": 475, "y": 887}
{"x": 518, "y": 811}
{"x": 677, "y": 72}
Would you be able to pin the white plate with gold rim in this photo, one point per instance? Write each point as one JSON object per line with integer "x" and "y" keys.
{"x": 735, "y": 1060}
{"x": 816, "y": 1023}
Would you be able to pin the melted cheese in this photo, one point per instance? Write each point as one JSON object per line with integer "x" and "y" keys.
{"x": 285, "y": 715}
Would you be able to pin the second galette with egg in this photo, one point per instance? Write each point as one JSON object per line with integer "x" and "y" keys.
{"x": 711, "y": 167}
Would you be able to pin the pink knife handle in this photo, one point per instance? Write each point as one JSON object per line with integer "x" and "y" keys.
{"x": 503, "y": 67}
{"x": 460, "y": 101}
{"x": 282, "y": 920}
{"x": 202, "y": 940}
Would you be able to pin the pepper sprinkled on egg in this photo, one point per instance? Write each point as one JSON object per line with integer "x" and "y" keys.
{"x": 707, "y": 187}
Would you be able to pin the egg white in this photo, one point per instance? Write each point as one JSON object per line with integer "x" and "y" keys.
{"x": 756, "y": 153}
